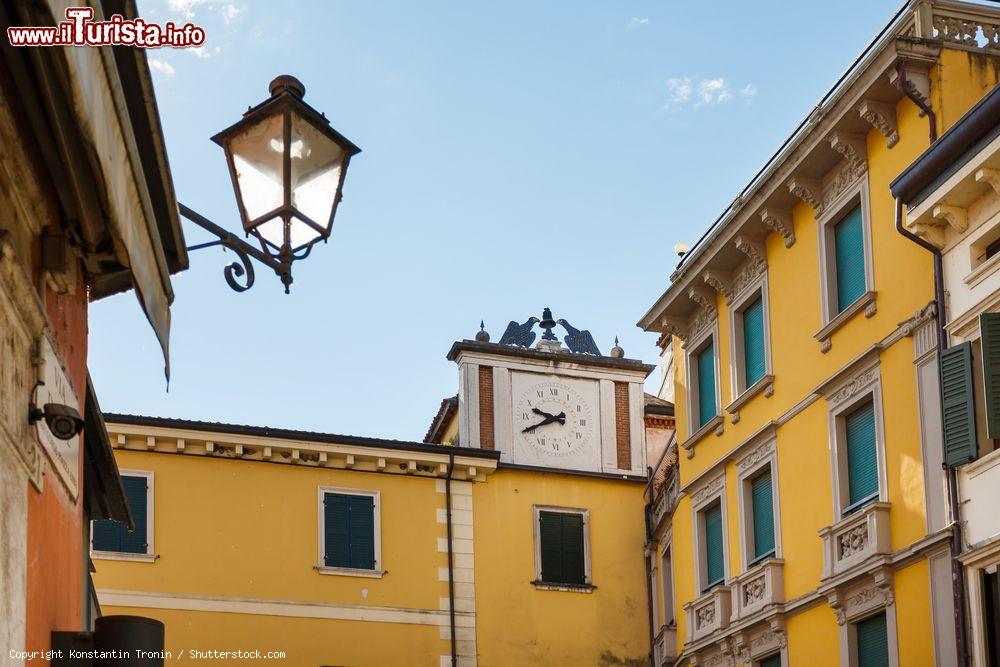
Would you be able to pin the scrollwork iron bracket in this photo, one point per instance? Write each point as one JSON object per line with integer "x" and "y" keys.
{"x": 240, "y": 274}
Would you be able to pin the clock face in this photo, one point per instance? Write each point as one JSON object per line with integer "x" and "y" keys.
{"x": 553, "y": 418}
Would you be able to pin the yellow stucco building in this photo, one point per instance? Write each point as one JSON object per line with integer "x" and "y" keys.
{"x": 334, "y": 550}
{"x": 803, "y": 517}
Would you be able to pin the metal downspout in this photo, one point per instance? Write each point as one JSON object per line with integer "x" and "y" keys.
{"x": 451, "y": 561}
{"x": 649, "y": 583}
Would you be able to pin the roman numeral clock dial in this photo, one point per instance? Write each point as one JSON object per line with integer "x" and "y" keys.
{"x": 554, "y": 418}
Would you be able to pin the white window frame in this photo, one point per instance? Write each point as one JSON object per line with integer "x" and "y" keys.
{"x": 666, "y": 592}
{"x": 737, "y": 352}
{"x": 692, "y": 349}
{"x": 150, "y": 555}
{"x": 377, "y": 572}
{"x": 856, "y": 194}
{"x": 838, "y": 438}
{"x": 536, "y": 522}
{"x": 782, "y": 653}
{"x": 748, "y": 469}
{"x": 700, "y": 500}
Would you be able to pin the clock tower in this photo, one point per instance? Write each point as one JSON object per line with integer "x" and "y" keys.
{"x": 552, "y": 404}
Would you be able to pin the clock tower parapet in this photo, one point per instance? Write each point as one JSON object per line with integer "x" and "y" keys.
{"x": 552, "y": 406}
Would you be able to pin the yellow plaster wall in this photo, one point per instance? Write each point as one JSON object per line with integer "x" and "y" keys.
{"x": 813, "y": 638}
{"x": 911, "y": 587}
{"x": 305, "y": 641}
{"x": 520, "y": 625}
{"x": 239, "y": 529}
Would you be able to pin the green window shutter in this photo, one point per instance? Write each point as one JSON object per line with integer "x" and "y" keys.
{"x": 135, "y": 494}
{"x": 706, "y": 385}
{"x": 872, "y": 642}
{"x": 362, "y": 529}
{"x": 562, "y": 547}
{"x": 754, "y": 363}
{"x": 336, "y": 518}
{"x": 109, "y": 535}
{"x": 763, "y": 515}
{"x": 715, "y": 570}
{"x": 989, "y": 329}
{"x": 850, "y": 259}
{"x": 771, "y": 661}
{"x": 958, "y": 409}
{"x": 862, "y": 454}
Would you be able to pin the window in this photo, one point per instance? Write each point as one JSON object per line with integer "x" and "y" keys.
{"x": 862, "y": 457}
{"x": 991, "y": 616}
{"x": 871, "y": 643}
{"x": 845, "y": 253}
{"x": 707, "y": 408}
{"x": 849, "y": 250}
{"x": 771, "y": 661}
{"x": 561, "y": 536}
{"x": 667, "y": 581}
{"x": 113, "y": 537}
{"x": 762, "y": 516}
{"x": 711, "y": 518}
{"x": 350, "y": 532}
{"x": 754, "y": 363}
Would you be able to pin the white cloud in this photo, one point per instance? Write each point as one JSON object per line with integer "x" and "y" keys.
{"x": 229, "y": 12}
{"x": 678, "y": 92}
{"x": 186, "y": 7}
{"x": 161, "y": 66}
{"x": 637, "y": 22}
{"x": 202, "y": 52}
{"x": 684, "y": 91}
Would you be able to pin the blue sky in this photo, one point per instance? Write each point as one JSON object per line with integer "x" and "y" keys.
{"x": 517, "y": 155}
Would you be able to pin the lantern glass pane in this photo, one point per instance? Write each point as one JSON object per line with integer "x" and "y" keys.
{"x": 272, "y": 231}
{"x": 257, "y": 158}
{"x": 302, "y": 234}
{"x": 316, "y": 165}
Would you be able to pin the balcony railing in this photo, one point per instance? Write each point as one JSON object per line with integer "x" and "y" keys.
{"x": 757, "y": 588}
{"x": 666, "y": 499}
{"x": 708, "y": 613}
{"x": 855, "y": 538}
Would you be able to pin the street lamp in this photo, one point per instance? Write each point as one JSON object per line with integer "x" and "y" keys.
{"x": 287, "y": 165}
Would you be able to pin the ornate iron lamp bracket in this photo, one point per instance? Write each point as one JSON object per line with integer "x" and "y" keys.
{"x": 239, "y": 275}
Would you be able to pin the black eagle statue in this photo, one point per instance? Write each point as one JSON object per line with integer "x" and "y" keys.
{"x": 579, "y": 341}
{"x": 520, "y": 335}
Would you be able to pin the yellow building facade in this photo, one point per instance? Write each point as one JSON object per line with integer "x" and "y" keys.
{"x": 237, "y": 527}
{"x": 803, "y": 519}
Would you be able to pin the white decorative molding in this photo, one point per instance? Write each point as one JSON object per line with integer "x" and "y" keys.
{"x": 859, "y": 383}
{"x": 720, "y": 281}
{"x": 962, "y": 31}
{"x": 703, "y": 298}
{"x": 708, "y": 613}
{"x": 956, "y": 216}
{"x": 808, "y": 190}
{"x": 755, "y": 456}
{"x": 779, "y": 221}
{"x": 710, "y": 489}
{"x": 882, "y": 117}
{"x": 990, "y": 177}
{"x": 675, "y": 328}
{"x": 852, "y": 147}
{"x": 758, "y": 588}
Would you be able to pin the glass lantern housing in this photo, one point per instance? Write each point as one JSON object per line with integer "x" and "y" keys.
{"x": 288, "y": 166}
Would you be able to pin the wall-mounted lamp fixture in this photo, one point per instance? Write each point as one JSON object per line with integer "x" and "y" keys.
{"x": 287, "y": 165}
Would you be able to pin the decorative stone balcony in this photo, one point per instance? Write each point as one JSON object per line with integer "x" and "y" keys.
{"x": 855, "y": 538}
{"x": 757, "y": 588}
{"x": 708, "y": 613}
{"x": 665, "y": 646}
{"x": 666, "y": 500}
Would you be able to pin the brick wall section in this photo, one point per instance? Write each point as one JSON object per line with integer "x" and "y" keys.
{"x": 486, "y": 407}
{"x": 623, "y": 428}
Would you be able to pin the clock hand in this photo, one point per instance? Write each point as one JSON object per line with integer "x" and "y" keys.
{"x": 561, "y": 418}
{"x": 540, "y": 412}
